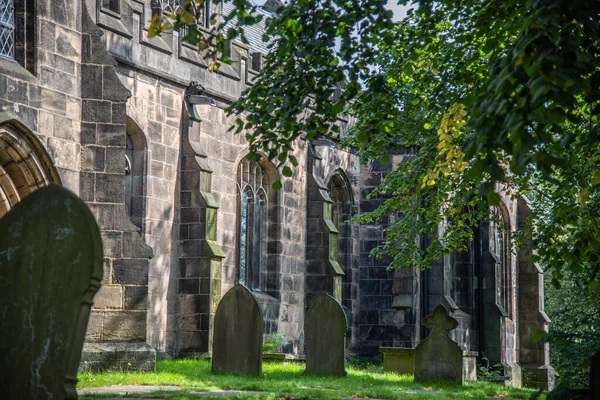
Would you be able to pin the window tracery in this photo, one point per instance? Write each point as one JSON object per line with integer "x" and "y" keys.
{"x": 253, "y": 184}
{"x": 7, "y": 29}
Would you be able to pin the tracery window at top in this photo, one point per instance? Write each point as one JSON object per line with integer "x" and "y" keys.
{"x": 7, "y": 29}
{"x": 500, "y": 250}
{"x": 253, "y": 185}
{"x": 171, "y": 6}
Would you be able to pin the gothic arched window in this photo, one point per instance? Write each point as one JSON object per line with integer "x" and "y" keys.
{"x": 340, "y": 213}
{"x": 253, "y": 185}
{"x": 7, "y": 29}
{"x": 499, "y": 248}
{"x": 135, "y": 173}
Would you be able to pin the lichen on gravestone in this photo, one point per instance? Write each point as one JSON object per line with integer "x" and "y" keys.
{"x": 238, "y": 334}
{"x": 325, "y": 331}
{"x": 438, "y": 357}
{"x": 50, "y": 269}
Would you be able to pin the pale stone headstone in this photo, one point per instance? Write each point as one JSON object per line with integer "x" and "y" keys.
{"x": 399, "y": 360}
{"x": 325, "y": 331}
{"x": 438, "y": 357}
{"x": 238, "y": 334}
{"x": 50, "y": 269}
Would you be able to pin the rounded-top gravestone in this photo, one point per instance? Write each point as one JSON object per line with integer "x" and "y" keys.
{"x": 50, "y": 269}
{"x": 238, "y": 334}
{"x": 325, "y": 330}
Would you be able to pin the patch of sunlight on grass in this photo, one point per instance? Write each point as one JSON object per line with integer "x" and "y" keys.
{"x": 287, "y": 380}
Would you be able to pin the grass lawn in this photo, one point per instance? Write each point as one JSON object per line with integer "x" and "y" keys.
{"x": 286, "y": 381}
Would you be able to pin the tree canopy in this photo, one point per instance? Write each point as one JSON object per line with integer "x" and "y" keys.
{"x": 472, "y": 94}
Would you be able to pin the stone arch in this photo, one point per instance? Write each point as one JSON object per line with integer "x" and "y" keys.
{"x": 496, "y": 293}
{"x": 340, "y": 192}
{"x": 499, "y": 242}
{"x": 24, "y": 165}
{"x": 136, "y": 170}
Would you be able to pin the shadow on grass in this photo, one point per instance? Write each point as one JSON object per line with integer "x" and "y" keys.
{"x": 287, "y": 381}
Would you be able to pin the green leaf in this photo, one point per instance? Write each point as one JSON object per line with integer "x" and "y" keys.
{"x": 287, "y": 171}
{"x": 493, "y": 198}
{"x": 538, "y": 336}
{"x": 277, "y": 185}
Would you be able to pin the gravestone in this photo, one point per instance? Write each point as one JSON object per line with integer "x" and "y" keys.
{"x": 438, "y": 357}
{"x": 325, "y": 331}
{"x": 50, "y": 269}
{"x": 238, "y": 334}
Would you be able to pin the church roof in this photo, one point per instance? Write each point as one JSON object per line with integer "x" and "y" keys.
{"x": 254, "y": 33}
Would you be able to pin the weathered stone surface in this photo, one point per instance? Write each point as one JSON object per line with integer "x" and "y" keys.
{"x": 470, "y": 366}
{"x": 51, "y": 263}
{"x": 398, "y": 360}
{"x": 325, "y": 330}
{"x": 438, "y": 358}
{"x": 122, "y": 356}
{"x": 238, "y": 334}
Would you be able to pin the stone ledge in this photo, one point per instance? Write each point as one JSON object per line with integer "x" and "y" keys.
{"x": 117, "y": 356}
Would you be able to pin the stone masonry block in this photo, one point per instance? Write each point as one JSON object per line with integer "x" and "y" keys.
{"x": 136, "y": 297}
{"x": 110, "y": 188}
{"x": 112, "y": 242}
{"x": 129, "y": 326}
{"x": 111, "y": 135}
{"x": 109, "y": 296}
{"x": 131, "y": 271}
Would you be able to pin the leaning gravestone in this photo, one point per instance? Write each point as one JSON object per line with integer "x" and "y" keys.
{"x": 50, "y": 269}
{"x": 438, "y": 357}
{"x": 238, "y": 334}
{"x": 325, "y": 330}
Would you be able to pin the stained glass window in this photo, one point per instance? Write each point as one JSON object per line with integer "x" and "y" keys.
{"x": 7, "y": 29}
{"x": 252, "y": 186}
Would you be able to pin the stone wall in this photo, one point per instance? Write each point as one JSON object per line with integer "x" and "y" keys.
{"x": 377, "y": 325}
{"x": 107, "y": 111}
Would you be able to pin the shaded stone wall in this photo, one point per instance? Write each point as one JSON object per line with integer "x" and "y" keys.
{"x": 80, "y": 127}
{"x": 332, "y": 244}
{"x": 376, "y": 318}
{"x": 119, "y": 312}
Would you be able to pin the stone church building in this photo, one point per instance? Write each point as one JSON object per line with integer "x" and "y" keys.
{"x": 136, "y": 127}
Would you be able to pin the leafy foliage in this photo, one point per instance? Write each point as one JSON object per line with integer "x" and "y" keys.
{"x": 273, "y": 342}
{"x": 575, "y": 331}
{"x": 469, "y": 94}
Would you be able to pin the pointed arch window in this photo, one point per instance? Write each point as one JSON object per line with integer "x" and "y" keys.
{"x": 500, "y": 250}
{"x": 253, "y": 186}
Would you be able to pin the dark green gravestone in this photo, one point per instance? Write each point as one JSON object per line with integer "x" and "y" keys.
{"x": 439, "y": 358}
{"x": 238, "y": 334}
{"x": 325, "y": 330}
{"x": 50, "y": 269}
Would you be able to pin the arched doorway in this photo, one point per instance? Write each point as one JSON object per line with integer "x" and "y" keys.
{"x": 24, "y": 165}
